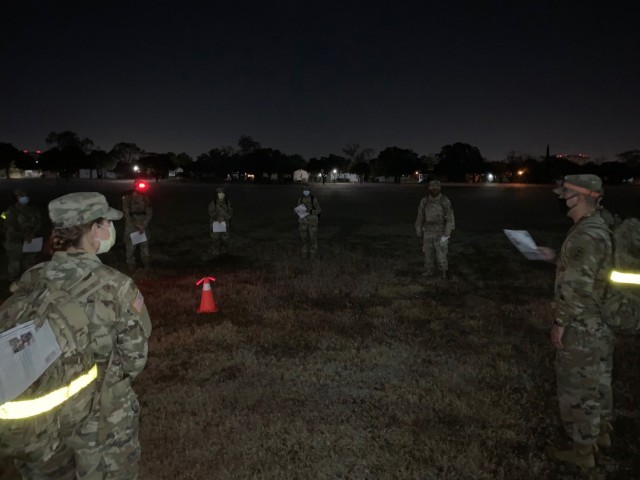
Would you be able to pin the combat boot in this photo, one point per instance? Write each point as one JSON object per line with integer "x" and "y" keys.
{"x": 576, "y": 454}
{"x": 604, "y": 438}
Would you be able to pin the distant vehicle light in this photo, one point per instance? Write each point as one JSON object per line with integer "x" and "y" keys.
{"x": 141, "y": 186}
{"x": 490, "y": 177}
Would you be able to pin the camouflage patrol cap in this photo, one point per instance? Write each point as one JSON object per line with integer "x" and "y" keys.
{"x": 435, "y": 184}
{"x": 18, "y": 192}
{"x": 80, "y": 208}
{"x": 220, "y": 190}
{"x": 585, "y": 184}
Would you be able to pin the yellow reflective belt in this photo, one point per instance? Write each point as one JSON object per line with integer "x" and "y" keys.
{"x": 30, "y": 408}
{"x": 621, "y": 277}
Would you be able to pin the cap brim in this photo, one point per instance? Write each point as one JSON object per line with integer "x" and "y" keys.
{"x": 113, "y": 214}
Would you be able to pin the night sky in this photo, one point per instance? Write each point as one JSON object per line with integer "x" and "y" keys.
{"x": 311, "y": 77}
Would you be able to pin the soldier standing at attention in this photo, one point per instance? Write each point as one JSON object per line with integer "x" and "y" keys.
{"x": 308, "y": 224}
{"x": 220, "y": 210}
{"x": 583, "y": 340}
{"x": 21, "y": 223}
{"x": 137, "y": 211}
{"x": 434, "y": 223}
{"x": 94, "y": 437}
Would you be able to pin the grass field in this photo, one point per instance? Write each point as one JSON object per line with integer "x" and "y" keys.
{"x": 354, "y": 366}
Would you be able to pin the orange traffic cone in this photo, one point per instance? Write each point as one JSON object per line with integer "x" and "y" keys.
{"x": 207, "y": 304}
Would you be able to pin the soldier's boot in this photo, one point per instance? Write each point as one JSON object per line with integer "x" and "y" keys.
{"x": 576, "y": 454}
{"x": 604, "y": 438}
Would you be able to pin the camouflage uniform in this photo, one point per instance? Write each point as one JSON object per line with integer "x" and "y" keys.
{"x": 21, "y": 223}
{"x": 584, "y": 364}
{"x": 220, "y": 210}
{"x": 137, "y": 211}
{"x": 308, "y": 226}
{"x": 435, "y": 220}
{"x": 100, "y": 441}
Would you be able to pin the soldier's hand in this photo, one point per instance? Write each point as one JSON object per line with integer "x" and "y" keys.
{"x": 443, "y": 240}
{"x": 140, "y": 230}
{"x": 556, "y": 336}
{"x": 548, "y": 253}
{"x": 418, "y": 232}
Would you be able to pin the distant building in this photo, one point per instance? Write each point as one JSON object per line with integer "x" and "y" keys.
{"x": 300, "y": 176}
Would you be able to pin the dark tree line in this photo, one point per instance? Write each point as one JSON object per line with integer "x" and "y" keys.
{"x": 68, "y": 153}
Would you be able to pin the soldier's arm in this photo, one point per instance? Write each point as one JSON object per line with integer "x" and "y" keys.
{"x": 126, "y": 210}
{"x": 148, "y": 212}
{"x": 229, "y": 211}
{"x": 316, "y": 207}
{"x": 420, "y": 217}
{"x": 212, "y": 211}
{"x": 132, "y": 338}
{"x": 574, "y": 291}
{"x": 450, "y": 221}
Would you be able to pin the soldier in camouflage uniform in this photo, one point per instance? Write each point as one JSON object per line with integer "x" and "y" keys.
{"x": 103, "y": 443}
{"x": 434, "y": 223}
{"x": 308, "y": 226}
{"x": 137, "y": 211}
{"x": 220, "y": 210}
{"x": 20, "y": 225}
{"x": 584, "y": 342}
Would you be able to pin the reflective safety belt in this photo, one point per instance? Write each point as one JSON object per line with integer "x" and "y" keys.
{"x": 622, "y": 277}
{"x": 29, "y": 408}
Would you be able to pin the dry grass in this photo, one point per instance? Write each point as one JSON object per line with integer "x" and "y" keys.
{"x": 355, "y": 367}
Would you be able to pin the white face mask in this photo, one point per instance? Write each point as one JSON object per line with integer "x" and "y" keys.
{"x": 105, "y": 245}
{"x": 221, "y": 196}
{"x": 23, "y": 200}
{"x": 306, "y": 193}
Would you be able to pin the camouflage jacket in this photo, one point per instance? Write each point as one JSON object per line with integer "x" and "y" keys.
{"x": 435, "y": 216}
{"x": 220, "y": 210}
{"x": 584, "y": 263}
{"x": 21, "y": 221}
{"x": 136, "y": 209}
{"x": 119, "y": 322}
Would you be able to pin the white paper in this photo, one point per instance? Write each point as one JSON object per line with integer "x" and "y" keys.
{"x": 219, "y": 227}
{"x": 34, "y": 246}
{"x": 525, "y": 244}
{"x": 137, "y": 237}
{"x": 25, "y": 353}
{"x": 301, "y": 210}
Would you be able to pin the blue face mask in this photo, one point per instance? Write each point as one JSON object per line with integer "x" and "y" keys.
{"x": 306, "y": 193}
{"x": 23, "y": 200}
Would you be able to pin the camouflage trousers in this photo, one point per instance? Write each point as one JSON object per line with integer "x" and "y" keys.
{"x": 220, "y": 242}
{"x": 38, "y": 444}
{"x": 583, "y": 369}
{"x": 107, "y": 445}
{"x": 308, "y": 228}
{"x": 435, "y": 252}
{"x": 130, "y": 248}
{"x": 17, "y": 262}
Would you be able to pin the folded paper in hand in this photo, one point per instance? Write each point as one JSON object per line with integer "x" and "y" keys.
{"x": 219, "y": 227}
{"x": 525, "y": 244}
{"x": 301, "y": 210}
{"x": 137, "y": 237}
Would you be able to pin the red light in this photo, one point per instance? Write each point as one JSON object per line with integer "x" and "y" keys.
{"x": 141, "y": 186}
{"x": 25, "y": 151}
{"x": 37, "y": 152}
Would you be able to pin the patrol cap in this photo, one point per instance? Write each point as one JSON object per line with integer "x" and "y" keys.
{"x": 435, "y": 184}
{"x": 220, "y": 190}
{"x": 586, "y": 184}
{"x": 80, "y": 208}
{"x": 18, "y": 192}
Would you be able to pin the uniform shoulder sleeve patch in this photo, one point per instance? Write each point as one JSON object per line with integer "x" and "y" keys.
{"x": 138, "y": 302}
